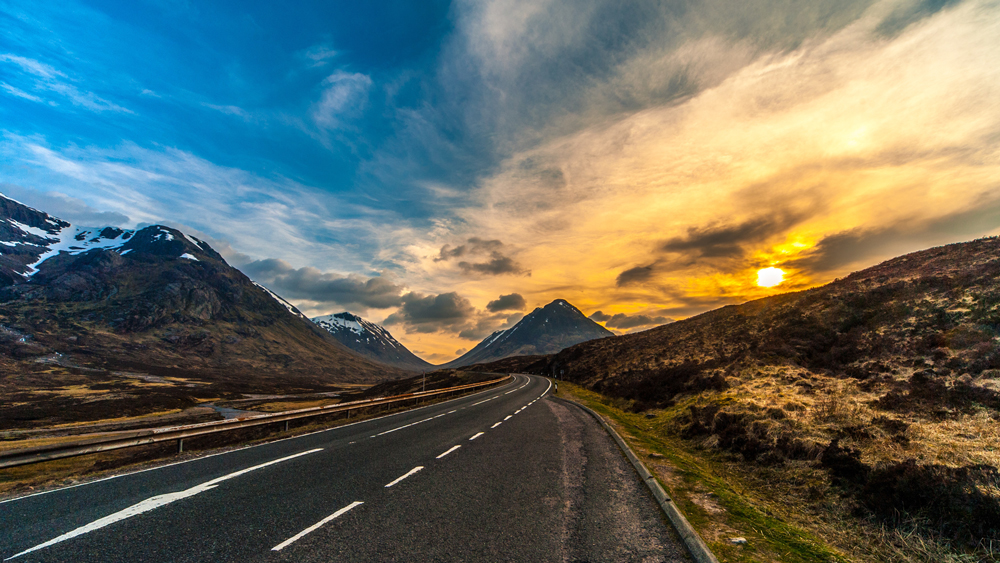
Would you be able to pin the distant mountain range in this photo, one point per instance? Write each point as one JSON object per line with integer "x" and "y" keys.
{"x": 152, "y": 300}
{"x": 546, "y": 330}
{"x": 370, "y": 340}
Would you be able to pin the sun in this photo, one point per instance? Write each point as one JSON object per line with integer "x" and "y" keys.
{"x": 770, "y": 277}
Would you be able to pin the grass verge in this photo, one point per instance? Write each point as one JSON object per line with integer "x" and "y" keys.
{"x": 718, "y": 503}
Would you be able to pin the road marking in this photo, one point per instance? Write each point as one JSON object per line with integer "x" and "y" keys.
{"x": 411, "y": 472}
{"x": 155, "y": 502}
{"x": 447, "y": 452}
{"x": 476, "y": 436}
{"x": 508, "y": 417}
{"x": 409, "y": 425}
{"x": 313, "y": 528}
{"x": 512, "y": 390}
{"x": 495, "y": 425}
{"x": 486, "y": 401}
{"x": 449, "y": 412}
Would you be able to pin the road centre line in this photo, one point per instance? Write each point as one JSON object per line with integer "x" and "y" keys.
{"x": 409, "y": 473}
{"x": 409, "y": 425}
{"x": 448, "y": 452}
{"x": 508, "y": 417}
{"x": 486, "y": 401}
{"x": 315, "y": 526}
{"x": 156, "y": 502}
{"x": 495, "y": 425}
{"x": 476, "y": 436}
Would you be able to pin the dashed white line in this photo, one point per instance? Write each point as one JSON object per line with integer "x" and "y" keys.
{"x": 313, "y": 528}
{"x": 155, "y": 502}
{"x": 476, "y": 436}
{"x": 408, "y": 473}
{"x": 508, "y": 417}
{"x": 454, "y": 411}
{"x": 495, "y": 425}
{"x": 486, "y": 401}
{"x": 448, "y": 452}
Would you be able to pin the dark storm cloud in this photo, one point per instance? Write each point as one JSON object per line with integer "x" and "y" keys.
{"x": 909, "y": 13}
{"x": 639, "y": 274}
{"x": 496, "y": 263}
{"x": 512, "y": 302}
{"x": 625, "y": 322}
{"x": 432, "y": 313}
{"x": 448, "y": 313}
{"x": 862, "y": 246}
{"x": 312, "y": 284}
{"x": 727, "y": 241}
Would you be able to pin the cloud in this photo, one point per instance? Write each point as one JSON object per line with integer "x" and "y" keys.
{"x": 228, "y": 110}
{"x": 64, "y": 207}
{"x": 325, "y": 288}
{"x": 512, "y": 302}
{"x": 344, "y": 94}
{"x": 636, "y": 275}
{"x": 728, "y": 241}
{"x": 320, "y": 55}
{"x": 496, "y": 264}
{"x": 19, "y": 93}
{"x": 432, "y": 313}
{"x": 461, "y": 351}
{"x": 47, "y": 78}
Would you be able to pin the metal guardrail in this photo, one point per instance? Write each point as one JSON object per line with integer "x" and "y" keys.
{"x": 39, "y": 454}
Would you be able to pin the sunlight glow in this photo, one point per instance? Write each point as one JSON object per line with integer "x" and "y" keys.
{"x": 770, "y": 277}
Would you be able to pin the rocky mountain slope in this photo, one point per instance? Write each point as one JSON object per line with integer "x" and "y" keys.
{"x": 151, "y": 309}
{"x": 545, "y": 330}
{"x": 370, "y": 340}
{"x": 883, "y": 387}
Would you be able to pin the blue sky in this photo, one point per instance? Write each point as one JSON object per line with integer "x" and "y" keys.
{"x": 421, "y": 162}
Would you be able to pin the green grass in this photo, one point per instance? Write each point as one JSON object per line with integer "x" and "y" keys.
{"x": 770, "y": 535}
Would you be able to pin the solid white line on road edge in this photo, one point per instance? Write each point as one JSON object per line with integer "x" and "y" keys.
{"x": 476, "y": 436}
{"x": 495, "y": 425}
{"x": 313, "y": 528}
{"x": 448, "y": 452}
{"x": 411, "y": 472}
{"x": 155, "y": 502}
{"x": 508, "y": 417}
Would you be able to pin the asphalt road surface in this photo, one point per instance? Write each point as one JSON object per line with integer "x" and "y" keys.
{"x": 508, "y": 474}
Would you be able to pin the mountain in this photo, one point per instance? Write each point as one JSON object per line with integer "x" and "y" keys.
{"x": 370, "y": 340}
{"x": 108, "y": 306}
{"x": 545, "y": 330}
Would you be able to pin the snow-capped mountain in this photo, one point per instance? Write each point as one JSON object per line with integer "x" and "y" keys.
{"x": 150, "y": 299}
{"x": 370, "y": 340}
{"x": 546, "y": 330}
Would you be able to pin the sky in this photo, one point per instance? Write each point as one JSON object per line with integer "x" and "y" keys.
{"x": 443, "y": 168}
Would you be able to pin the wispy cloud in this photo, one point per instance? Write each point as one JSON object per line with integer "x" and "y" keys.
{"x": 48, "y": 79}
{"x": 344, "y": 94}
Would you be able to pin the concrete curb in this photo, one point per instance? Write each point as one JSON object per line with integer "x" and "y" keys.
{"x": 695, "y": 546}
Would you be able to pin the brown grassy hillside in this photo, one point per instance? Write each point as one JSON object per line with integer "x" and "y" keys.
{"x": 882, "y": 389}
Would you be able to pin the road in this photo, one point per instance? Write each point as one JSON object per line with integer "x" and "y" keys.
{"x": 508, "y": 474}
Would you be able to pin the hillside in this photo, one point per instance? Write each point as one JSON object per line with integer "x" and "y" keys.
{"x": 882, "y": 387}
{"x": 101, "y": 321}
{"x": 370, "y": 340}
{"x": 545, "y": 330}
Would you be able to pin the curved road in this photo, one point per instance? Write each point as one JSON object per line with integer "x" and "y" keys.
{"x": 507, "y": 474}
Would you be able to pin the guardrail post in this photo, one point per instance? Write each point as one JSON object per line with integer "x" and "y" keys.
{"x": 180, "y": 445}
{"x": 286, "y": 426}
